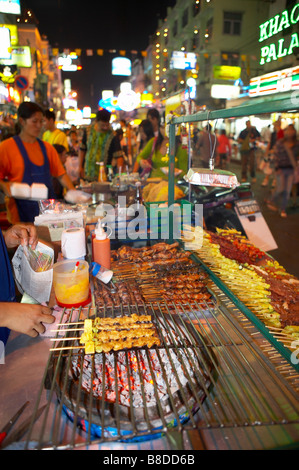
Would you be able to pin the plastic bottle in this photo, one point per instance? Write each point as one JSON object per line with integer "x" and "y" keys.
{"x": 138, "y": 196}
{"x": 102, "y": 173}
{"x": 101, "y": 273}
{"x": 101, "y": 247}
{"x": 110, "y": 173}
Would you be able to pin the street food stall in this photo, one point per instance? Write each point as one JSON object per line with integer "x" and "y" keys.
{"x": 192, "y": 346}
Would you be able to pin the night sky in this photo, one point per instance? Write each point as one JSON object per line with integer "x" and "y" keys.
{"x": 109, "y": 24}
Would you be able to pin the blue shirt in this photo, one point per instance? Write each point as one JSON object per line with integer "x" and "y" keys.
{"x": 7, "y": 286}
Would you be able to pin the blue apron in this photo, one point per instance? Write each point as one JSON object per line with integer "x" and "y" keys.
{"x": 28, "y": 210}
{"x": 7, "y": 286}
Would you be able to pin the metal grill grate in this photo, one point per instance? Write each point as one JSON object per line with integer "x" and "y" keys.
{"x": 233, "y": 382}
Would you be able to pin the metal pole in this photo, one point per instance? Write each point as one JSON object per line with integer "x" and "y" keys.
{"x": 171, "y": 178}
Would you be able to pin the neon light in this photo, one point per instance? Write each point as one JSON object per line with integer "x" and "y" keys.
{"x": 283, "y": 80}
{"x": 279, "y": 22}
{"x": 271, "y": 52}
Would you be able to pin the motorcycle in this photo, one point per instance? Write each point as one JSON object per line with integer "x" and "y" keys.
{"x": 220, "y": 205}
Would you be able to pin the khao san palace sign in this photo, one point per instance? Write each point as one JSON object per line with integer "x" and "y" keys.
{"x": 283, "y": 46}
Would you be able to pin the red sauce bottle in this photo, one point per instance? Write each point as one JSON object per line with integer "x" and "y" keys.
{"x": 101, "y": 247}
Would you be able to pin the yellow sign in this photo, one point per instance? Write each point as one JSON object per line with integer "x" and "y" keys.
{"x": 146, "y": 99}
{"x": 13, "y": 29}
{"x": 20, "y": 56}
{"x": 172, "y": 104}
{"x": 226, "y": 72}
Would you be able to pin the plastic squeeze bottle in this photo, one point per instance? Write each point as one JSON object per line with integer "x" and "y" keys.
{"x": 101, "y": 247}
{"x": 98, "y": 271}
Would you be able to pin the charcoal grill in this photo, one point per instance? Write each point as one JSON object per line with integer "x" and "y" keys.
{"x": 247, "y": 393}
{"x": 181, "y": 354}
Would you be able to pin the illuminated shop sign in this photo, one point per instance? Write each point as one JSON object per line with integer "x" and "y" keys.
{"x": 226, "y": 72}
{"x": 69, "y": 63}
{"x": 8, "y": 73}
{"x": 278, "y": 24}
{"x": 122, "y": 66}
{"x": 20, "y": 56}
{"x": 13, "y": 29}
{"x": 275, "y": 82}
{"x": 128, "y": 100}
{"x": 146, "y": 99}
{"x": 227, "y": 92}
{"x": 183, "y": 60}
{"x": 4, "y": 43}
{"x": 10, "y": 6}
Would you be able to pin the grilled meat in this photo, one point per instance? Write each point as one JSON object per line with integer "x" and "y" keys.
{"x": 107, "y": 334}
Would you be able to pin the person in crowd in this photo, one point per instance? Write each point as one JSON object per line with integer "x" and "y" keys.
{"x": 224, "y": 149}
{"x": 247, "y": 139}
{"x": 72, "y": 156}
{"x": 99, "y": 144}
{"x": 52, "y": 135}
{"x": 266, "y": 134}
{"x": 154, "y": 156}
{"x": 207, "y": 146}
{"x": 25, "y": 158}
{"x": 146, "y": 133}
{"x": 154, "y": 116}
{"x": 275, "y": 136}
{"x": 128, "y": 142}
{"x": 21, "y": 317}
{"x": 195, "y": 150}
{"x": 73, "y": 142}
{"x": 286, "y": 158}
{"x": 57, "y": 186}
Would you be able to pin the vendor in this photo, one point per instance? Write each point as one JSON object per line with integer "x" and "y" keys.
{"x": 155, "y": 155}
{"x": 20, "y": 317}
{"x": 25, "y": 158}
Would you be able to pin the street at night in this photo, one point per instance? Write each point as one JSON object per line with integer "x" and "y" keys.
{"x": 149, "y": 228}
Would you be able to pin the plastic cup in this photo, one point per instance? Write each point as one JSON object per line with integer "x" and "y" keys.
{"x": 71, "y": 286}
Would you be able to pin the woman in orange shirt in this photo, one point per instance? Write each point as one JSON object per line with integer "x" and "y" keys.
{"x": 25, "y": 158}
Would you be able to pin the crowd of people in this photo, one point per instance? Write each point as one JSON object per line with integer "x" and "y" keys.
{"x": 274, "y": 151}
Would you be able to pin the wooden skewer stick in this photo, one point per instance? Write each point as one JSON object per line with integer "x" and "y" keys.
{"x": 65, "y": 339}
{"x": 66, "y": 348}
{"x": 67, "y": 329}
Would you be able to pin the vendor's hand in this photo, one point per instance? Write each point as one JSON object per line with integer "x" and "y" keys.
{"x": 25, "y": 318}
{"x": 21, "y": 234}
{"x": 5, "y": 187}
{"x": 82, "y": 173}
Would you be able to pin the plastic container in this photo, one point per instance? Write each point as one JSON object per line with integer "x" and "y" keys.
{"x": 71, "y": 287}
{"x": 101, "y": 273}
{"x": 101, "y": 248}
